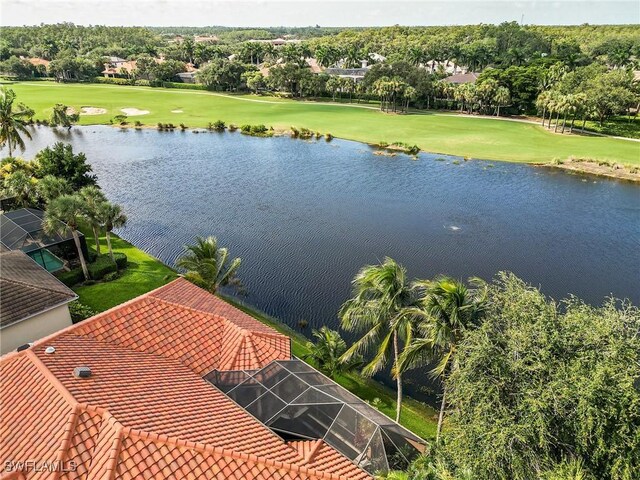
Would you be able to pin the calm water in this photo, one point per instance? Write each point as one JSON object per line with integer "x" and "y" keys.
{"x": 305, "y": 216}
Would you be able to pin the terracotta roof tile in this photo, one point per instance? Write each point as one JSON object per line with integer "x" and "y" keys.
{"x": 145, "y": 411}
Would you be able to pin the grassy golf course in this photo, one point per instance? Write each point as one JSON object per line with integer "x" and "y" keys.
{"x": 474, "y": 137}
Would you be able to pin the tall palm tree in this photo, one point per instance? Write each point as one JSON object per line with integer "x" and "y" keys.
{"x": 93, "y": 198}
{"x": 381, "y": 296}
{"x": 327, "y": 350}
{"x": 447, "y": 308}
{"x": 61, "y": 117}
{"x": 111, "y": 216}
{"x": 207, "y": 264}
{"x": 13, "y": 122}
{"x": 501, "y": 98}
{"x": 63, "y": 214}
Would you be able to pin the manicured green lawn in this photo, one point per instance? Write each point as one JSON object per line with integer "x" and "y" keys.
{"x": 453, "y": 134}
{"x": 143, "y": 273}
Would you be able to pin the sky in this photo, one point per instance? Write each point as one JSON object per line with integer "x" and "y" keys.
{"x": 338, "y": 13}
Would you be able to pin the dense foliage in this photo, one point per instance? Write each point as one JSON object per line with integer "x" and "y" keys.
{"x": 542, "y": 390}
{"x": 518, "y": 64}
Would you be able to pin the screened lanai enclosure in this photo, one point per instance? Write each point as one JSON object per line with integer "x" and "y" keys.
{"x": 22, "y": 230}
{"x": 296, "y": 401}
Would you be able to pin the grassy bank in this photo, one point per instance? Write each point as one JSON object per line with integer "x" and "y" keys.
{"x": 144, "y": 273}
{"x": 472, "y": 137}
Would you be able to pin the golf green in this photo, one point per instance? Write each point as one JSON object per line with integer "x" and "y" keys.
{"x": 474, "y": 137}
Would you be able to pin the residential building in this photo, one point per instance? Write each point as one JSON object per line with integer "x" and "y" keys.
{"x": 458, "y": 78}
{"x": 33, "y": 303}
{"x": 118, "y": 67}
{"x": 138, "y": 392}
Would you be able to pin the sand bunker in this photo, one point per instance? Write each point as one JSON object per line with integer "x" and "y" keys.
{"x": 176, "y": 111}
{"x": 93, "y": 111}
{"x": 71, "y": 111}
{"x": 132, "y": 112}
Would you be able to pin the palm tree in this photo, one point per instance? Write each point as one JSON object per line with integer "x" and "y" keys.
{"x": 111, "y": 216}
{"x": 327, "y": 350}
{"x": 501, "y": 98}
{"x": 381, "y": 296}
{"x": 50, "y": 187}
{"x": 13, "y": 122}
{"x": 207, "y": 265}
{"x": 93, "y": 198}
{"x": 61, "y": 117}
{"x": 415, "y": 55}
{"x": 446, "y": 309}
{"x": 65, "y": 213}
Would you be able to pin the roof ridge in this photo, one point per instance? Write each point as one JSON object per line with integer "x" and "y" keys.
{"x": 312, "y": 453}
{"x": 239, "y": 348}
{"x": 51, "y": 378}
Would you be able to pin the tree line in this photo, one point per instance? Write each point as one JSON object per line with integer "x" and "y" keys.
{"x": 567, "y": 75}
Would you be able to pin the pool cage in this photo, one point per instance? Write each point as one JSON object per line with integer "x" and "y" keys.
{"x": 22, "y": 230}
{"x": 296, "y": 401}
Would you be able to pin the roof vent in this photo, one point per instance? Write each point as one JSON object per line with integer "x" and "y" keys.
{"x": 49, "y": 350}
{"x": 82, "y": 372}
{"x": 24, "y": 347}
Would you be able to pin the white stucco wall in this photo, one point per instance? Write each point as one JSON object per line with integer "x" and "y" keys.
{"x": 34, "y": 328}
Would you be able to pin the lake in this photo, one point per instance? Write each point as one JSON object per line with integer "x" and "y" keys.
{"x": 304, "y": 216}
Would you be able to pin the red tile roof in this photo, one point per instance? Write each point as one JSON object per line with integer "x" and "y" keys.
{"x": 145, "y": 411}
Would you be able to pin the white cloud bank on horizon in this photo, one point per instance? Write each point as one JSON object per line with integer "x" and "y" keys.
{"x": 265, "y": 13}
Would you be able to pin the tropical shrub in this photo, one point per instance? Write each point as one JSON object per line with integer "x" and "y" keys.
{"x": 219, "y": 125}
{"x": 327, "y": 351}
{"x": 80, "y": 311}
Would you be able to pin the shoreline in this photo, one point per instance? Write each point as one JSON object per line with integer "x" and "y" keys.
{"x": 595, "y": 169}
{"x": 590, "y": 167}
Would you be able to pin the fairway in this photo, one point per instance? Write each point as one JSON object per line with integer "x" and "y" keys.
{"x": 472, "y": 137}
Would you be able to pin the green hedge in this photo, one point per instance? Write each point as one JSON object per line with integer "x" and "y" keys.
{"x": 183, "y": 86}
{"x": 102, "y": 266}
{"x": 121, "y": 259}
{"x": 122, "y": 81}
{"x": 71, "y": 278}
